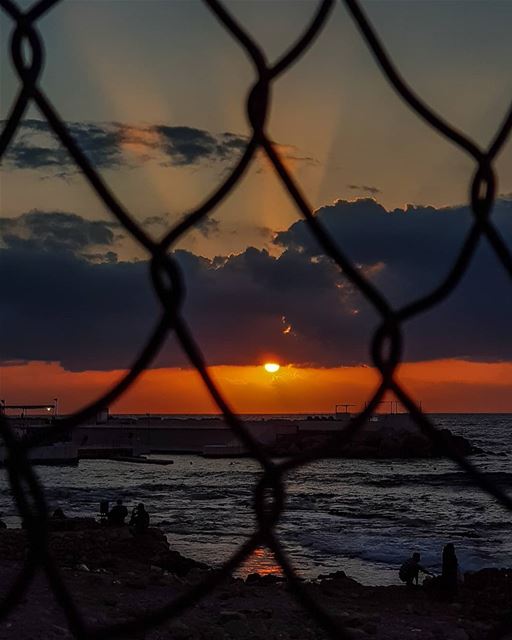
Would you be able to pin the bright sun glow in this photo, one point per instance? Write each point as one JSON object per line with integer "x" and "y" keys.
{"x": 271, "y": 367}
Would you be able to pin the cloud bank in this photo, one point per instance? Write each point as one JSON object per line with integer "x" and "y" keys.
{"x": 61, "y": 304}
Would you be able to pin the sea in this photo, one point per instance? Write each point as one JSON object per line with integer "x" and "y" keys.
{"x": 364, "y": 517}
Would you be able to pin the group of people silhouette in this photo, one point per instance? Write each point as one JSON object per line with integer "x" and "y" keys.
{"x": 446, "y": 582}
{"x": 139, "y": 520}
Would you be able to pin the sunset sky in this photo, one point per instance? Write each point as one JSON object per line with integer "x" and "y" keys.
{"x": 155, "y": 93}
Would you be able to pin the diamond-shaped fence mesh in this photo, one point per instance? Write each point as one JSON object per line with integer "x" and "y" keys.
{"x": 170, "y": 286}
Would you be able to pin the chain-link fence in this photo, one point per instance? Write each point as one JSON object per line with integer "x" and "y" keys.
{"x": 386, "y": 346}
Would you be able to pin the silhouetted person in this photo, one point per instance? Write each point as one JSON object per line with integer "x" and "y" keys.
{"x": 450, "y": 574}
{"x": 2, "y": 523}
{"x": 139, "y": 521}
{"x": 411, "y": 568}
{"x": 58, "y": 514}
{"x": 118, "y": 514}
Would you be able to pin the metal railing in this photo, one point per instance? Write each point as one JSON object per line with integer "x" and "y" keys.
{"x": 386, "y": 345}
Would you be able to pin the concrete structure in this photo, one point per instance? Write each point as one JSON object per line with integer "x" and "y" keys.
{"x": 114, "y": 436}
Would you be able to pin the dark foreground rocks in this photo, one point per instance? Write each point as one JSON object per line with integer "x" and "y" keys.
{"x": 115, "y": 577}
{"x": 93, "y": 547}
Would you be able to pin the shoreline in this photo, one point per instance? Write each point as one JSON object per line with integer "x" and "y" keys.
{"x": 115, "y": 577}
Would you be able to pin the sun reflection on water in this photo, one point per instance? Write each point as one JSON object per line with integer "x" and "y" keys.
{"x": 260, "y": 561}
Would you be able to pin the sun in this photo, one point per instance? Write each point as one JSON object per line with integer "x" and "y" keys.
{"x": 271, "y": 367}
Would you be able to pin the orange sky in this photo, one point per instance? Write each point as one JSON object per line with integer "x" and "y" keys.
{"x": 441, "y": 386}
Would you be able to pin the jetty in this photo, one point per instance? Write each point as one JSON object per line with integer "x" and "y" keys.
{"x": 131, "y": 438}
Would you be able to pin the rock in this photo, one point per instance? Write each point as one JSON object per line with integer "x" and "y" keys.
{"x": 139, "y": 582}
{"x": 488, "y": 579}
{"x": 194, "y": 575}
{"x": 237, "y": 629}
{"x": 338, "y": 585}
{"x": 259, "y": 613}
{"x": 179, "y": 565}
{"x": 370, "y": 628}
{"x": 337, "y": 575}
{"x": 156, "y": 569}
{"x": 61, "y": 630}
{"x": 269, "y": 578}
{"x": 180, "y": 631}
{"x": 213, "y": 633}
{"x": 478, "y": 631}
{"x": 415, "y": 446}
{"x": 394, "y": 436}
{"x": 72, "y": 524}
{"x": 357, "y": 634}
{"x": 353, "y": 621}
{"x": 226, "y": 616}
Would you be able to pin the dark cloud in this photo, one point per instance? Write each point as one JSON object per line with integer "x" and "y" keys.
{"x": 208, "y": 226}
{"x": 185, "y": 146}
{"x": 295, "y": 305}
{"x": 373, "y": 191}
{"x": 36, "y": 148}
{"x": 55, "y": 231}
{"x": 107, "y": 145}
{"x": 264, "y": 232}
{"x": 111, "y": 145}
{"x": 24, "y": 156}
{"x": 155, "y": 221}
{"x": 109, "y": 257}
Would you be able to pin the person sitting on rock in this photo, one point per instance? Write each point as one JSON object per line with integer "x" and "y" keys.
{"x": 139, "y": 521}
{"x": 58, "y": 514}
{"x": 117, "y": 515}
{"x": 411, "y": 568}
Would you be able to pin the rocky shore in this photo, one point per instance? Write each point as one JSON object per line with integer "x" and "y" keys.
{"x": 115, "y": 577}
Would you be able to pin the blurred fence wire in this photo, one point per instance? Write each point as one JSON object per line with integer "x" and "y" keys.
{"x": 386, "y": 345}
